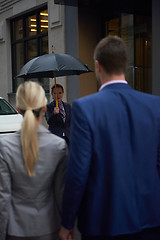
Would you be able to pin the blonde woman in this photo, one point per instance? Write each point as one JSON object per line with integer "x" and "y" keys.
{"x": 32, "y": 169}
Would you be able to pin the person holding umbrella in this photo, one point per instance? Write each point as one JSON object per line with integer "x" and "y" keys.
{"x": 32, "y": 171}
{"x": 59, "y": 117}
{"x": 55, "y": 65}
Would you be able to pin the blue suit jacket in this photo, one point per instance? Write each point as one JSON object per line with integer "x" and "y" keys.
{"x": 55, "y": 122}
{"x": 113, "y": 180}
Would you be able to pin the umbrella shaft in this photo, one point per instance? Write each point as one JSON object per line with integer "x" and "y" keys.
{"x": 55, "y": 89}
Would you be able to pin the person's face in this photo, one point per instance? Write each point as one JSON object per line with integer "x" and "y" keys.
{"x": 59, "y": 94}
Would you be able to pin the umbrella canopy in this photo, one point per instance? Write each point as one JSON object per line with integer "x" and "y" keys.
{"x": 51, "y": 65}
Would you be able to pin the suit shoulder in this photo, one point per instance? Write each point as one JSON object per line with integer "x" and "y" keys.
{"x": 86, "y": 99}
{"x": 148, "y": 96}
{"x": 52, "y": 138}
{"x": 10, "y": 141}
{"x": 10, "y": 138}
{"x": 56, "y": 144}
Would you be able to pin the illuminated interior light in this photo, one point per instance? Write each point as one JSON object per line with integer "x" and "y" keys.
{"x": 146, "y": 43}
{"x": 43, "y": 26}
{"x": 44, "y": 14}
{"x": 33, "y": 30}
{"x": 33, "y": 20}
{"x": 33, "y": 25}
{"x": 44, "y": 20}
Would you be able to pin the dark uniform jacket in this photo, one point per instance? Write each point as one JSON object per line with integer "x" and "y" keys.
{"x": 56, "y": 123}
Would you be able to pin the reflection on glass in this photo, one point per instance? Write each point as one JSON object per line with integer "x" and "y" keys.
{"x": 31, "y": 25}
{"x": 31, "y": 49}
{"x": 127, "y": 34}
{"x": 44, "y": 45}
{"x": 19, "y": 57}
{"x": 113, "y": 27}
{"x": 124, "y": 28}
{"x": 44, "y": 21}
{"x": 18, "y": 63}
{"x": 143, "y": 49}
{"x": 6, "y": 108}
{"x": 17, "y": 29}
{"x": 136, "y": 31}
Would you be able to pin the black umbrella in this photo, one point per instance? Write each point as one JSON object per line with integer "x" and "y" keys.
{"x": 53, "y": 65}
{"x": 46, "y": 65}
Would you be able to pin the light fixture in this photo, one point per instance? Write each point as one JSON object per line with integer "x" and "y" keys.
{"x": 43, "y": 26}
{"x": 44, "y": 20}
{"x": 33, "y": 20}
{"x": 33, "y": 25}
{"x": 33, "y": 30}
{"x": 43, "y": 14}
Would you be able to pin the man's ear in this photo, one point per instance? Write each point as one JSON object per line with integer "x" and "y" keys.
{"x": 98, "y": 66}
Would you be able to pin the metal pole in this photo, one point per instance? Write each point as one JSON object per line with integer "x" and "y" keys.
{"x": 55, "y": 88}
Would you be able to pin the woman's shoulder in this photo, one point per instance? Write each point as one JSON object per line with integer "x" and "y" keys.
{"x": 10, "y": 142}
{"x": 48, "y": 137}
{"x": 51, "y": 142}
{"x": 51, "y": 104}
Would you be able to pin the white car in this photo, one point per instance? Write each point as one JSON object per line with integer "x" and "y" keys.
{"x": 10, "y": 119}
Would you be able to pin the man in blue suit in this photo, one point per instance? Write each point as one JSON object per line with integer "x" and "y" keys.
{"x": 113, "y": 177}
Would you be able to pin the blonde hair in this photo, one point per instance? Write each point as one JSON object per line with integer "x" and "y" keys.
{"x": 30, "y": 98}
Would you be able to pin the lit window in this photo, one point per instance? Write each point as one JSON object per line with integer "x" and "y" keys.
{"x": 29, "y": 40}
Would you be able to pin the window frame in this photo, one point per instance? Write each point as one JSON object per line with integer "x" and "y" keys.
{"x": 24, "y": 40}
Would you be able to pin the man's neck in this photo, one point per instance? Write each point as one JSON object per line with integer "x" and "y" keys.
{"x": 108, "y": 78}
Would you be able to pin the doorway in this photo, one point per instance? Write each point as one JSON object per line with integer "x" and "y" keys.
{"x": 136, "y": 32}
{"x": 143, "y": 54}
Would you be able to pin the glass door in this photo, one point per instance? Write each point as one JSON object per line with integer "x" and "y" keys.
{"x": 136, "y": 32}
{"x": 143, "y": 54}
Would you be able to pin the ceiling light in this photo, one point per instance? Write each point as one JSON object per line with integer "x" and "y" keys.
{"x": 44, "y": 14}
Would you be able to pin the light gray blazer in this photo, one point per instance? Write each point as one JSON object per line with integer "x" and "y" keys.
{"x": 30, "y": 206}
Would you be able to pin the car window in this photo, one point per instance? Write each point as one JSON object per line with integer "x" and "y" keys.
{"x": 6, "y": 108}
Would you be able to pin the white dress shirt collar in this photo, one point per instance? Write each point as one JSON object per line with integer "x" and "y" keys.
{"x": 112, "y": 82}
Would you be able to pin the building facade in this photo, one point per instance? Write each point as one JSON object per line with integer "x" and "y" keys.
{"x": 29, "y": 28}
{"x": 137, "y": 22}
